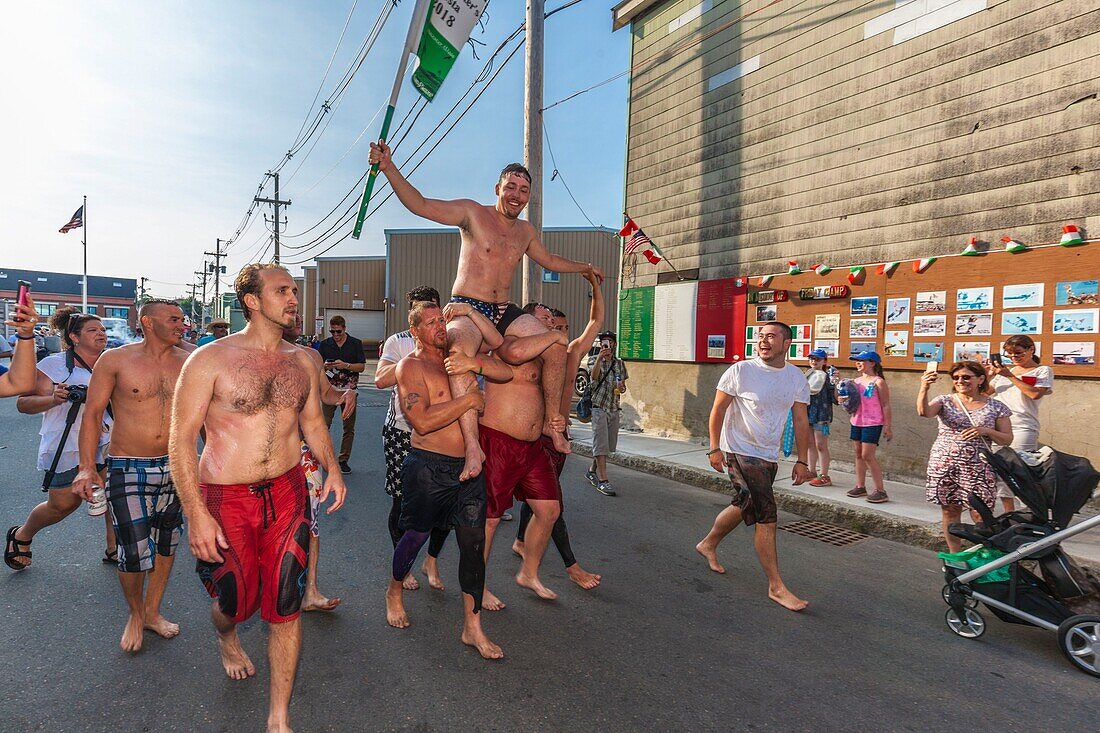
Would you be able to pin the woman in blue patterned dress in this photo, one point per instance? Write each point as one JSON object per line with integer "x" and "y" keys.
{"x": 969, "y": 420}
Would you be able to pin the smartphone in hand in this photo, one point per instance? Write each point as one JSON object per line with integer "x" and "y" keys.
{"x": 932, "y": 367}
{"x": 24, "y": 292}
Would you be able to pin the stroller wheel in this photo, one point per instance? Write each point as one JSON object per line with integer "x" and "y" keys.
{"x": 971, "y": 628}
{"x": 970, "y": 602}
{"x": 1079, "y": 639}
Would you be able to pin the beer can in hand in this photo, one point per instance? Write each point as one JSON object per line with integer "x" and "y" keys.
{"x": 98, "y": 505}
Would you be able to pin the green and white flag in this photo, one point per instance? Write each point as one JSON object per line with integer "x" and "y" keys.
{"x": 448, "y": 28}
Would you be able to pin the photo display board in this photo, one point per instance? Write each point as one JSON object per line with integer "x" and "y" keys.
{"x": 960, "y": 307}
{"x": 695, "y": 321}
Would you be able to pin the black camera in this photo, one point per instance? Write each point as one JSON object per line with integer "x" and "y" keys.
{"x": 996, "y": 360}
{"x": 78, "y": 393}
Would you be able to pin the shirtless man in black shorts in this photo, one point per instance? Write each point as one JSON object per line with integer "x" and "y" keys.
{"x": 433, "y": 492}
{"x": 494, "y": 240}
{"x": 245, "y": 501}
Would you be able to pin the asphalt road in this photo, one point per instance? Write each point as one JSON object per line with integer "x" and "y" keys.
{"x": 662, "y": 644}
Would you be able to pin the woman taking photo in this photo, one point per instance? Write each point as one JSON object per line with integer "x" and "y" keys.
{"x": 1020, "y": 387}
{"x": 969, "y": 420}
{"x": 84, "y": 339}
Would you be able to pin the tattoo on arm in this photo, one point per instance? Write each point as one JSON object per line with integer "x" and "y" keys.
{"x": 410, "y": 400}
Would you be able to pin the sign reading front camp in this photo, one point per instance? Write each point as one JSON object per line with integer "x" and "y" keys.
{"x": 449, "y": 25}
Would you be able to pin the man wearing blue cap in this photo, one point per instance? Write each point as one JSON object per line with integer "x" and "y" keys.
{"x": 746, "y": 427}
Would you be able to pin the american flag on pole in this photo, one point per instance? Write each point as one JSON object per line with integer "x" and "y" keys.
{"x": 639, "y": 241}
{"x": 75, "y": 223}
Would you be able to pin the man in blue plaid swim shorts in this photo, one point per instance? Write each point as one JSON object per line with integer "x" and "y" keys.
{"x": 137, "y": 382}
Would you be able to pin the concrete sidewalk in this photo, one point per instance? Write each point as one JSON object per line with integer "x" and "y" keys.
{"x": 907, "y": 517}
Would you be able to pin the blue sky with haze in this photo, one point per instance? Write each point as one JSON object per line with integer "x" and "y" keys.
{"x": 168, "y": 114}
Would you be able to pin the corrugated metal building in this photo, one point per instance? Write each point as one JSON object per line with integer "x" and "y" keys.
{"x": 353, "y": 287}
{"x": 430, "y": 257}
{"x": 853, "y": 132}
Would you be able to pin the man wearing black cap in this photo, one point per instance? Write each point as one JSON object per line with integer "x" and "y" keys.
{"x": 608, "y": 379}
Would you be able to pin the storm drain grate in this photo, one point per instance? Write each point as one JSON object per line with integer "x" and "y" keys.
{"x": 827, "y": 533}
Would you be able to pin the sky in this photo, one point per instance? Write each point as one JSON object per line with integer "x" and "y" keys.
{"x": 167, "y": 116}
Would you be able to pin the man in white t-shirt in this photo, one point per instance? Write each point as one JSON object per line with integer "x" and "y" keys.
{"x": 746, "y": 428}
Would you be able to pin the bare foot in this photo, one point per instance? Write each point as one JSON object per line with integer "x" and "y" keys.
{"x": 395, "y": 611}
{"x": 132, "y": 635}
{"x": 517, "y": 548}
{"x": 711, "y": 556}
{"x": 314, "y": 601}
{"x": 237, "y": 664}
{"x": 582, "y": 577}
{"x": 474, "y": 461}
{"x": 788, "y": 600}
{"x": 490, "y": 602}
{"x": 278, "y": 728}
{"x": 478, "y": 640}
{"x": 161, "y": 626}
{"x": 431, "y": 569}
{"x": 410, "y": 583}
{"x": 536, "y": 585}
{"x": 561, "y": 443}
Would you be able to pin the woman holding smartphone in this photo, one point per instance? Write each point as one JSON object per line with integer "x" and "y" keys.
{"x": 970, "y": 419}
{"x": 20, "y": 377}
{"x": 1020, "y": 387}
{"x": 85, "y": 339}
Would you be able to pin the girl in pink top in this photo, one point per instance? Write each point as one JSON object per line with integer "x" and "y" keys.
{"x": 870, "y": 423}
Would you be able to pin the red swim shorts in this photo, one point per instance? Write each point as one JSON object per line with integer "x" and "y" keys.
{"x": 267, "y": 527}
{"x": 515, "y": 468}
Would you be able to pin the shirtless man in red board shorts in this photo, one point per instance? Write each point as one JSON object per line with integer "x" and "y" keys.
{"x": 247, "y": 509}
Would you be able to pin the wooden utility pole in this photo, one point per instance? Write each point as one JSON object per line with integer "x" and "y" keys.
{"x": 217, "y": 254}
{"x": 532, "y": 138}
{"x": 205, "y": 272}
{"x": 276, "y": 222}
{"x": 193, "y": 287}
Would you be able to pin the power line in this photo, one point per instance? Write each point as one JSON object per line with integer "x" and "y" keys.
{"x": 426, "y": 155}
{"x": 328, "y": 68}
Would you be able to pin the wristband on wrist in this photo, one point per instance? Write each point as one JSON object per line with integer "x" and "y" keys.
{"x": 803, "y": 463}
{"x": 25, "y": 338}
{"x": 480, "y": 368}
{"x": 712, "y": 451}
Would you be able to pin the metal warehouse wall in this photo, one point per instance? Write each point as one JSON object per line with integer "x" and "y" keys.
{"x": 430, "y": 257}
{"x": 345, "y": 279}
{"x": 859, "y": 138}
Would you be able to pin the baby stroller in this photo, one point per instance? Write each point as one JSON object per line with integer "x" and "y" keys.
{"x": 1031, "y": 581}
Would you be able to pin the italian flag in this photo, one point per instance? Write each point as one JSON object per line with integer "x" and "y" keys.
{"x": 856, "y": 274}
{"x": 920, "y": 266}
{"x": 1012, "y": 246}
{"x": 1071, "y": 237}
{"x": 822, "y": 269}
{"x": 887, "y": 268}
{"x": 793, "y": 268}
{"x": 972, "y": 248}
{"x": 766, "y": 281}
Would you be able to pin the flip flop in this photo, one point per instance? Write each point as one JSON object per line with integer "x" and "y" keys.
{"x": 12, "y": 551}
{"x": 110, "y": 558}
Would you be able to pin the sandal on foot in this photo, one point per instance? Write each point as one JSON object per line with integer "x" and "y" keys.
{"x": 12, "y": 550}
{"x": 109, "y": 557}
{"x": 857, "y": 492}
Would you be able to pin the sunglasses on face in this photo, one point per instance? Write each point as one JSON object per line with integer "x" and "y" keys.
{"x": 336, "y": 330}
{"x": 961, "y": 377}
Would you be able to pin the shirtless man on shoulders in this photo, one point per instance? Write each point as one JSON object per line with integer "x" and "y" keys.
{"x": 494, "y": 241}
{"x": 434, "y": 494}
{"x": 245, "y": 500}
{"x": 138, "y": 380}
{"x": 313, "y": 599}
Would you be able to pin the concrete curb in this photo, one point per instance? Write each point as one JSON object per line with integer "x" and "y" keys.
{"x": 865, "y": 520}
